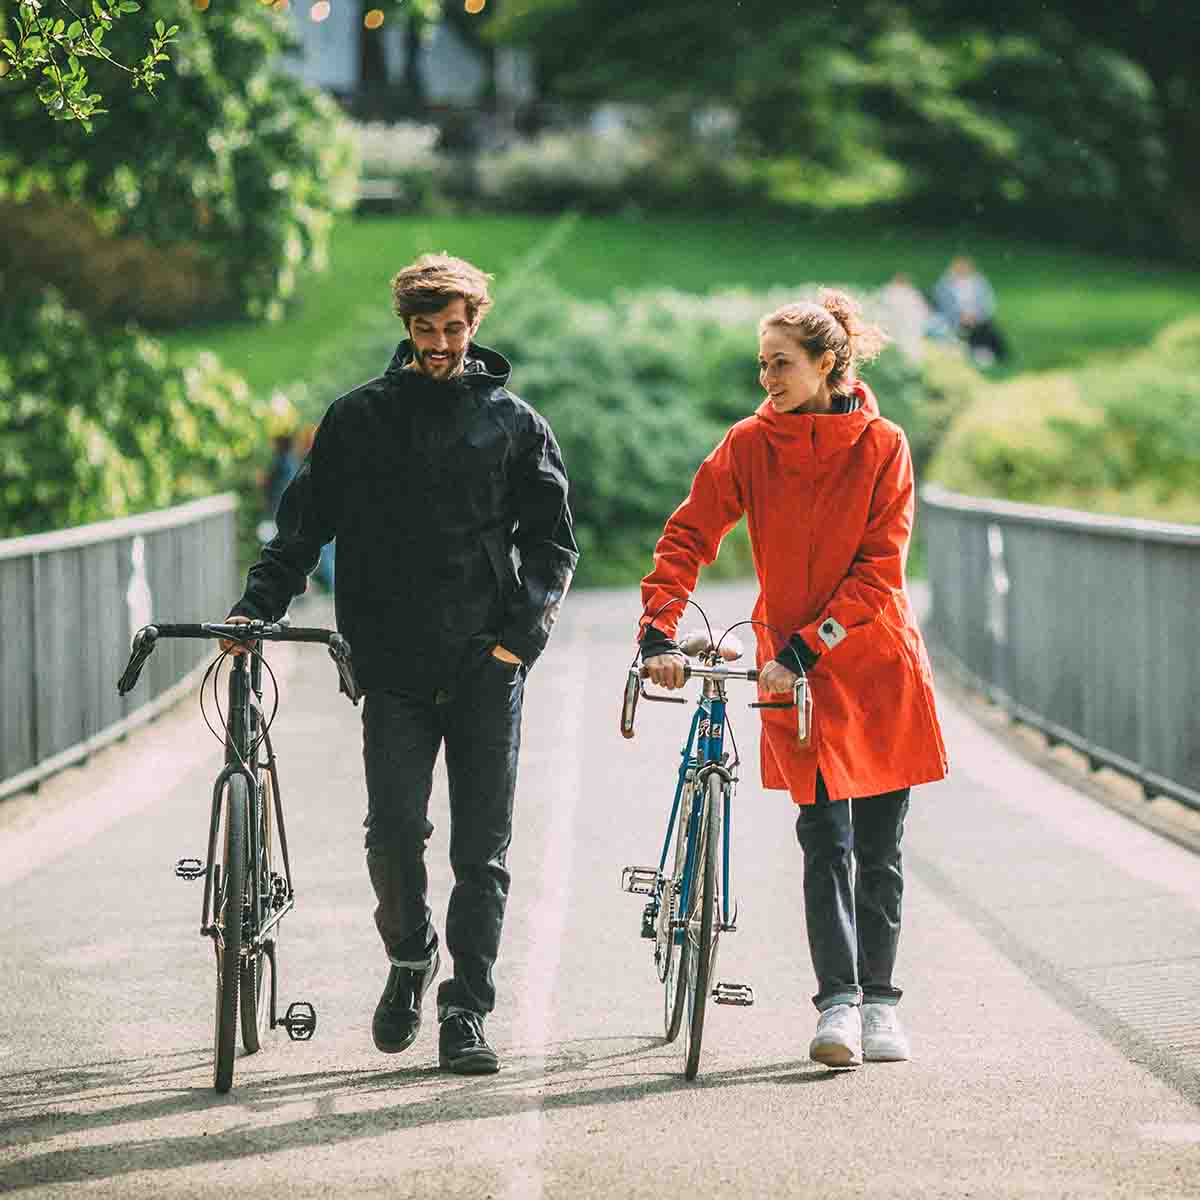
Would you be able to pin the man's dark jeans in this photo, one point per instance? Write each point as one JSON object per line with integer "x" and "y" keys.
{"x": 480, "y": 723}
{"x": 853, "y": 928}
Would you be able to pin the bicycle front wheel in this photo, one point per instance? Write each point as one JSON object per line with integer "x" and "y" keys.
{"x": 672, "y": 948}
{"x": 227, "y": 916}
{"x": 704, "y": 925}
{"x": 258, "y": 963}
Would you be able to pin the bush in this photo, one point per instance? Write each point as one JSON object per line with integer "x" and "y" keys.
{"x": 641, "y": 389}
{"x": 233, "y": 157}
{"x": 405, "y": 154}
{"x": 104, "y": 427}
{"x": 48, "y": 242}
{"x": 563, "y": 170}
{"x": 1123, "y": 438}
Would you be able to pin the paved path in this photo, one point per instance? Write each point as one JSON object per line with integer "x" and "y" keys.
{"x": 1051, "y": 957}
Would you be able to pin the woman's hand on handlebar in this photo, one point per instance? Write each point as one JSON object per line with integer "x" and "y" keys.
{"x": 666, "y": 670}
{"x": 775, "y": 677}
{"x": 235, "y": 648}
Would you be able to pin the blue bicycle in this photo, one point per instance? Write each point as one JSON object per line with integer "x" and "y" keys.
{"x": 689, "y": 905}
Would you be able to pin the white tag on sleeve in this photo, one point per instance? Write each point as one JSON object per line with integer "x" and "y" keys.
{"x": 830, "y": 632}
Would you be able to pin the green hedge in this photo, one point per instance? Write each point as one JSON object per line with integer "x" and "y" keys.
{"x": 639, "y": 390}
{"x": 99, "y": 427}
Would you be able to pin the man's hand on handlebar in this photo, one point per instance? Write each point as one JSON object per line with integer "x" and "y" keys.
{"x": 666, "y": 670}
{"x": 235, "y": 648}
{"x": 775, "y": 677}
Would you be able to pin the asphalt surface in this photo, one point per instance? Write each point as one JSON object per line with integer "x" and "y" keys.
{"x": 1051, "y": 961}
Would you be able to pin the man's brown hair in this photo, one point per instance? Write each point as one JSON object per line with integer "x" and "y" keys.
{"x": 435, "y": 280}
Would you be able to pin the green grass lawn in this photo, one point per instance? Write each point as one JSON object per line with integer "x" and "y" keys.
{"x": 1059, "y": 307}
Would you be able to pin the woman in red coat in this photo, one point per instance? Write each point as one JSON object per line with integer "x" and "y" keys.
{"x": 826, "y": 485}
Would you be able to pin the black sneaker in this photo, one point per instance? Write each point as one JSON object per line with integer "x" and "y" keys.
{"x": 398, "y": 1013}
{"x": 462, "y": 1048}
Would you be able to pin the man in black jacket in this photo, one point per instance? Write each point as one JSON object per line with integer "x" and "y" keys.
{"x": 448, "y": 498}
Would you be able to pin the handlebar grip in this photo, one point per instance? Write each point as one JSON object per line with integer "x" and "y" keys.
{"x": 633, "y": 689}
{"x": 339, "y": 651}
{"x": 142, "y": 648}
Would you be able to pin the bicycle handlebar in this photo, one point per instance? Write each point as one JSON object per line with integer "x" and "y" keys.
{"x": 147, "y": 637}
{"x": 801, "y": 697}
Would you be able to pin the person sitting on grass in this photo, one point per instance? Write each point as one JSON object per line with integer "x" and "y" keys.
{"x": 967, "y": 303}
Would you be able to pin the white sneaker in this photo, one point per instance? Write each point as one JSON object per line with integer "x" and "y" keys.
{"x": 838, "y": 1040}
{"x": 882, "y": 1037}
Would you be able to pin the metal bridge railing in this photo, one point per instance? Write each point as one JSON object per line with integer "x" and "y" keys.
{"x": 69, "y": 603}
{"x": 1087, "y": 627}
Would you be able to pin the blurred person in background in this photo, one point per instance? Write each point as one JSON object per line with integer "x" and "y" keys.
{"x": 280, "y": 471}
{"x": 909, "y": 316}
{"x": 967, "y": 303}
{"x": 431, "y": 477}
{"x": 325, "y": 565}
{"x": 826, "y": 485}
{"x": 273, "y": 480}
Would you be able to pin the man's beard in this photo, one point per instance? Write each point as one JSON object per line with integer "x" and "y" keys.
{"x": 443, "y": 371}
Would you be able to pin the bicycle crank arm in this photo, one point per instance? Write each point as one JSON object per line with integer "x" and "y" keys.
{"x": 741, "y": 994}
{"x": 300, "y": 1021}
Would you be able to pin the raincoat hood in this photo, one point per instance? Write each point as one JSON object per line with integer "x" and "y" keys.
{"x": 827, "y": 433}
{"x": 482, "y": 365}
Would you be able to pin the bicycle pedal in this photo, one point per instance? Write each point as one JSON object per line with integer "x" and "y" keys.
{"x": 650, "y": 921}
{"x": 641, "y": 881}
{"x": 741, "y": 994}
{"x": 189, "y": 868}
{"x": 300, "y": 1020}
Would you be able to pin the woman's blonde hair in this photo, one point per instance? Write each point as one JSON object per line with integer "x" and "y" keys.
{"x": 834, "y": 323}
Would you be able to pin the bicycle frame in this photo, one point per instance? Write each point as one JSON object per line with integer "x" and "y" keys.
{"x": 702, "y": 754}
{"x": 244, "y": 723}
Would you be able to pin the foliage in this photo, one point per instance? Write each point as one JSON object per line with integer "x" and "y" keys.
{"x": 639, "y": 390}
{"x": 994, "y": 122}
{"x": 560, "y": 170}
{"x": 44, "y": 46}
{"x": 99, "y": 427}
{"x": 1121, "y": 438}
{"x": 405, "y": 154}
{"x": 235, "y": 157}
{"x": 111, "y": 280}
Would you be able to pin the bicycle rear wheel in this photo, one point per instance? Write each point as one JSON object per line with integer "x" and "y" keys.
{"x": 672, "y": 948}
{"x": 703, "y": 927}
{"x": 227, "y": 916}
{"x": 258, "y": 964}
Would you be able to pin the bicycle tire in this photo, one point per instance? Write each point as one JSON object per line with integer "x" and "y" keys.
{"x": 227, "y": 916}
{"x": 702, "y": 952}
{"x": 255, "y": 988}
{"x": 674, "y": 951}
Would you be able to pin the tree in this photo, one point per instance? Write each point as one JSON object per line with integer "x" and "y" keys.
{"x": 998, "y": 114}
{"x": 234, "y": 158}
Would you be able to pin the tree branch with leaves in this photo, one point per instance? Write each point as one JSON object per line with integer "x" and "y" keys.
{"x": 53, "y": 41}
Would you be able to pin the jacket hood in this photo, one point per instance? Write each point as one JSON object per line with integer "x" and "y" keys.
{"x": 827, "y": 433}
{"x": 482, "y": 365}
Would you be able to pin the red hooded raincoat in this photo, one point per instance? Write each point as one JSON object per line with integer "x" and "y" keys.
{"x": 829, "y": 502}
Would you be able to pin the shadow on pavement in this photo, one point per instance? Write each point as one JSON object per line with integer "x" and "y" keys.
{"x": 574, "y": 1074}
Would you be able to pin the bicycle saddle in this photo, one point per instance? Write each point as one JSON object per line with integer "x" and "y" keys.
{"x": 697, "y": 642}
